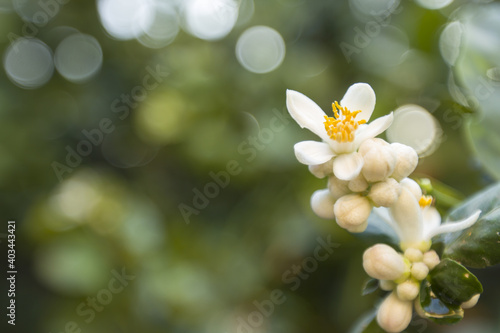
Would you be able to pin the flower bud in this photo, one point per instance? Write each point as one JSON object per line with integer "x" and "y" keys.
{"x": 412, "y": 186}
{"x": 408, "y": 290}
{"x": 338, "y": 188}
{"x": 431, "y": 259}
{"x": 352, "y": 211}
{"x": 414, "y": 255}
{"x": 385, "y": 193}
{"x": 471, "y": 303}
{"x": 322, "y": 170}
{"x": 419, "y": 271}
{"x": 394, "y": 315}
{"x": 379, "y": 160}
{"x": 406, "y": 160}
{"x": 383, "y": 262}
{"x": 358, "y": 184}
{"x": 322, "y": 204}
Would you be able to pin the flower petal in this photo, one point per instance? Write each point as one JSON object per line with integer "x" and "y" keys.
{"x": 313, "y": 152}
{"x": 373, "y": 129}
{"x": 360, "y": 96}
{"x": 454, "y": 226}
{"x": 322, "y": 204}
{"x": 306, "y": 113}
{"x": 431, "y": 218}
{"x": 381, "y": 215}
{"x": 347, "y": 166}
{"x": 408, "y": 215}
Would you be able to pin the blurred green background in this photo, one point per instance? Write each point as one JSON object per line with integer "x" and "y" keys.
{"x": 150, "y": 140}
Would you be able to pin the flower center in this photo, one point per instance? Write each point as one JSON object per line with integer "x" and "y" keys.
{"x": 341, "y": 126}
{"x": 425, "y": 201}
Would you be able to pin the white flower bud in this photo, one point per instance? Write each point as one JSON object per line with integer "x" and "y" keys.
{"x": 338, "y": 188}
{"x": 431, "y": 259}
{"x": 414, "y": 255}
{"x": 412, "y": 186}
{"x": 322, "y": 170}
{"x": 406, "y": 160}
{"x": 408, "y": 290}
{"x": 379, "y": 160}
{"x": 358, "y": 184}
{"x": 385, "y": 193}
{"x": 383, "y": 262}
{"x": 419, "y": 271}
{"x": 386, "y": 285}
{"x": 471, "y": 303}
{"x": 352, "y": 211}
{"x": 394, "y": 315}
{"x": 322, "y": 204}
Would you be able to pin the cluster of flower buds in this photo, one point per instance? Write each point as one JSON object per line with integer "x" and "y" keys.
{"x": 350, "y": 202}
{"x": 401, "y": 274}
{"x": 366, "y": 173}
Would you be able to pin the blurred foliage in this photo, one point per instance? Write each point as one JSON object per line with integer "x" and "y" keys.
{"x": 208, "y": 122}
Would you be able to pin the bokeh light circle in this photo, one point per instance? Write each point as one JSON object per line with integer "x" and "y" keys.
{"x": 78, "y": 57}
{"x": 210, "y": 19}
{"x": 28, "y": 63}
{"x": 450, "y": 41}
{"x": 260, "y": 49}
{"x": 416, "y": 127}
{"x": 434, "y": 4}
{"x": 126, "y": 19}
{"x": 163, "y": 28}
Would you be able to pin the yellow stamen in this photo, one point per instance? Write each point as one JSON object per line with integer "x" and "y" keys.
{"x": 341, "y": 126}
{"x": 425, "y": 201}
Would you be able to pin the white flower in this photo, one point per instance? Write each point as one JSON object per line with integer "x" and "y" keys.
{"x": 415, "y": 221}
{"x": 342, "y": 134}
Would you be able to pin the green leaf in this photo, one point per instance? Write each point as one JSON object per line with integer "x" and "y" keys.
{"x": 370, "y": 287}
{"x": 479, "y": 245}
{"x": 437, "y": 310}
{"x": 453, "y": 283}
{"x": 486, "y": 200}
